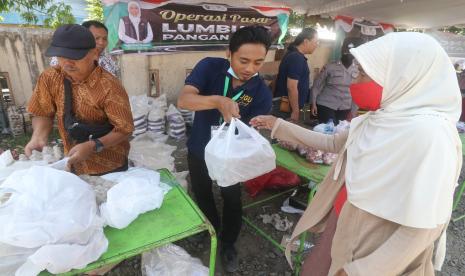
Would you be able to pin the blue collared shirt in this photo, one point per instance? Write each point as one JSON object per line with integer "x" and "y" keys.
{"x": 208, "y": 77}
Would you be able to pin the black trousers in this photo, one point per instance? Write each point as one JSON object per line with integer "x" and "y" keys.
{"x": 326, "y": 113}
{"x": 232, "y": 204}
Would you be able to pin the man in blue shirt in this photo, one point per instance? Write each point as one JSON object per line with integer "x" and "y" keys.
{"x": 293, "y": 78}
{"x": 217, "y": 90}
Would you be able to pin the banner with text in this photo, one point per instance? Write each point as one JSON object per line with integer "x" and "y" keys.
{"x": 156, "y": 26}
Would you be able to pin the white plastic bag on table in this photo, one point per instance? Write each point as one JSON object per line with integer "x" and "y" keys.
{"x": 6, "y": 159}
{"x": 171, "y": 260}
{"x": 54, "y": 214}
{"x": 137, "y": 192}
{"x": 12, "y": 257}
{"x": 232, "y": 158}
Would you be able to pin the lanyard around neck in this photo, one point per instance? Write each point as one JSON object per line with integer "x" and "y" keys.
{"x": 226, "y": 87}
{"x": 225, "y": 93}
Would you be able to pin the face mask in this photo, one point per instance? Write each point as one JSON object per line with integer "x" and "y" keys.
{"x": 231, "y": 72}
{"x": 367, "y": 95}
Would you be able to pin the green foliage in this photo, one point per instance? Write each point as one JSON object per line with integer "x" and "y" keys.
{"x": 296, "y": 20}
{"x": 56, "y": 14}
{"x": 456, "y": 30}
{"x": 95, "y": 9}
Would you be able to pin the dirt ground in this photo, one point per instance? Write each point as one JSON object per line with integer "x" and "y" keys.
{"x": 258, "y": 256}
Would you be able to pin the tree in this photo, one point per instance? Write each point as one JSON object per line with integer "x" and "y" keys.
{"x": 56, "y": 14}
{"x": 95, "y": 9}
{"x": 456, "y": 30}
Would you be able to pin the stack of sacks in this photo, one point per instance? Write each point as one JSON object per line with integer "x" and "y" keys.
{"x": 176, "y": 124}
{"x": 156, "y": 116}
{"x": 156, "y": 121}
{"x": 188, "y": 116}
{"x": 159, "y": 102}
{"x": 139, "y": 108}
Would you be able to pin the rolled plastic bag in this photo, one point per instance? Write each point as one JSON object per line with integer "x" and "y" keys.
{"x": 232, "y": 158}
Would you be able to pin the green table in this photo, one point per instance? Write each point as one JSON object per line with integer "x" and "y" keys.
{"x": 178, "y": 218}
{"x": 298, "y": 165}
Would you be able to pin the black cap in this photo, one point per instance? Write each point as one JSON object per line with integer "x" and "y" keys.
{"x": 71, "y": 41}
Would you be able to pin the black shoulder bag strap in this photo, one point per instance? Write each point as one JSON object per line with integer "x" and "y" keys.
{"x": 68, "y": 117}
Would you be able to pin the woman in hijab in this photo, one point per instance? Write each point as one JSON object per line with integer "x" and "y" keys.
{"x": 133, "y": 28}
{"x": 399, "y": 163}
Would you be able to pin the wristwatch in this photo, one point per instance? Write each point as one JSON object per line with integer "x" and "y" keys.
{"x": 98, "y": 145}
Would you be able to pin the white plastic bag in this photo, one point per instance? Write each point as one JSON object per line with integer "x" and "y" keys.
{"x": 54, "y": 214}
{"x": 232, "y": 158}
{"x": 171, "y": 260}
{"x": 6, "y": 159}
{"x": 137, "y": 192}
{"x": 150, "y": 151}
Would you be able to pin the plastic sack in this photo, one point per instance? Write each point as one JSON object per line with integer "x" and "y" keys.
{"x": 54, "y": 213}
{"x": 150, "y": 151}
{"x": 6, "y": 159}
{"x": 188, "y": 116}
{"x": 276, "y": 179}
{"x": 176, "y": 124}
{"x": 302, "y": 150}
{"x": 159, "y": 102}
{"x": 139, "y": 106}
{"x": 12, "y": 257}
{"x": 329, "y": 158}
{"x": 342, "y": 126}
{"x": 232, "y": 158}
{"x": 156, "y": 121}
{"x": 137, "y": 192}
{"x": 314, "y": 156}
{"x": 171, "y": 260}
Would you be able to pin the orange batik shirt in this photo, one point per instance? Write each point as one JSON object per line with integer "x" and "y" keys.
{"x": 99, "y": 98}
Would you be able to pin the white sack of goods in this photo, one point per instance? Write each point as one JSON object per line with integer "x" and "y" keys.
{"x": 232, "y": 158}
{"x": 48, "y": 220}
{"x": 176, "y": 124}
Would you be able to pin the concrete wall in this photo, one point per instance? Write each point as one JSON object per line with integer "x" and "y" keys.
{"x": 172, "y": 69}
{"x": 21, "y": 56}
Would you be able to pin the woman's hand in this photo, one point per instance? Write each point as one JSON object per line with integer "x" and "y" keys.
{"x": 263, "y": 122}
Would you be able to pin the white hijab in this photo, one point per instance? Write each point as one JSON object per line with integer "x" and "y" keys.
{"x": 135, "y": 19}
{"x": 404, "y": 160}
